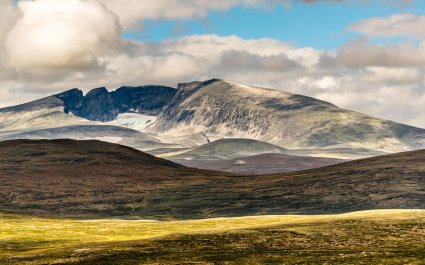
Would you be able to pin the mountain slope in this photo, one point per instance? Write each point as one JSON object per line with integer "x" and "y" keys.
{"x": 230, "y": 148}
{"x": 223, "y": 109}
{"x": 94, "y": 179}
{"x": 246, "y": 156}
{"x": 46, "y": 119}
{"x": 43, "y": 113}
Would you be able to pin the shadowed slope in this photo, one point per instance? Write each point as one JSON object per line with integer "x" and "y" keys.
{"x": 22, "y": 157}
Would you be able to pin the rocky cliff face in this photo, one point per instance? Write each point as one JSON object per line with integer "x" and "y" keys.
{"x": 101, "y": 105}
{"x": 223, "y": 109}
{"x": 47, "y": 118}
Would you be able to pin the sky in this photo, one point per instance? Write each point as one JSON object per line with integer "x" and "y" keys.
{"x": 366, "y": 56}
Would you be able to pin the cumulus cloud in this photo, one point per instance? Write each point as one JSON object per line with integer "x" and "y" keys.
{"x": 9, "y": 15}
{"x": 410, "y": 25}
{"x": 391, "y": 76}
{"x": 197, "y": 57}
{"x": 212, "y": 47}
{"x": 61, "y": 34}
{"x": 243, "y": 60}
{"x": 362, "y": 76}
{"x": 134, "y": 12}
{"x": 361, "y": 53}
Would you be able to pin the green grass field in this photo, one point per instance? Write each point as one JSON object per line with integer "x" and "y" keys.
{"x": 369, "y": 237}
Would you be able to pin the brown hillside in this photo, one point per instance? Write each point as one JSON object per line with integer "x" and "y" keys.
{"x": 94, "y": 179}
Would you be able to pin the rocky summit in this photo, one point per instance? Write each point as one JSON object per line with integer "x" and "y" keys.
{"x": 101, "y": 105}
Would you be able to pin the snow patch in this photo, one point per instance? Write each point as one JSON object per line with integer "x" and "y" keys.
{"x": 133, "y": 121}
{"x": 109, "y": 139}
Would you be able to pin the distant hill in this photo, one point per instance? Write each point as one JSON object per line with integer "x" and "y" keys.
{"x": 246, "y": 156}
{"x": 76, "y": 158}
{"x": 230, "y": 148}
{"x": 96, "y": 179}
{"x": 260, "y": 164}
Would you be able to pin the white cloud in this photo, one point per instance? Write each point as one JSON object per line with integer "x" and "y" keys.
{"x": 213, "y": 47}
{"x": 8, "y": 16}
{"x": 410, "y": 25}
{"x": 384, "y": 75}
{"x": 134, "y": 12}
{"x": 383, "y": 80}
{"x": 363, "y": 54}
{"x": 61, "y": 34}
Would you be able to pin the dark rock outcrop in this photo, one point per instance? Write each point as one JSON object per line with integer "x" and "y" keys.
{"x": 147, "y": 100}
{"x": 101, "y": 105}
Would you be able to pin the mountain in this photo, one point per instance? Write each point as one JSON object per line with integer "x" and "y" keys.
{"x": 259, "y": 164}
{"x": 223, "y": 109}
{"x": 245, "y": 156}
{"x": 92, "y": 179}
{"x": 49, "y": 118}
{"x": 165, "y": 120}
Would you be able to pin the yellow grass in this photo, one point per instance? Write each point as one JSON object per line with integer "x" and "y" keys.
{"x": 51, "y": 234}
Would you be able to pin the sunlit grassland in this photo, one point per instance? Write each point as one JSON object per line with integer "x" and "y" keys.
{"x": 387, "y": 236}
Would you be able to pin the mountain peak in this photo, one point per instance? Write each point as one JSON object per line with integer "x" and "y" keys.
{"x": 97, "y": 91}
{"x": 225, "y": 109}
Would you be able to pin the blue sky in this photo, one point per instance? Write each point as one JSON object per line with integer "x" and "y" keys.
{"x": 320, "y": 25}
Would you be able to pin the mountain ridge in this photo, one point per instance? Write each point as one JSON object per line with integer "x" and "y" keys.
{"x": 224, "y": 109}
{"x": 199, "y": 112}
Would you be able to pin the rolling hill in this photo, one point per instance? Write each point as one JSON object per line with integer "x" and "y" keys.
{"x": 260, "y": 164}
{"x": 230, "y": 148}
{"x": 93, "y": 179}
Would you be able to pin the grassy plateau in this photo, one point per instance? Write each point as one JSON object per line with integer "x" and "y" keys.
{"x": 367, "y": 237}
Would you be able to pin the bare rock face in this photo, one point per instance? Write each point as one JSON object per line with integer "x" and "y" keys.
{"x": 148, "y": 100}
{"x": 101, "y": 105}
{"x": 223, "y": 109}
